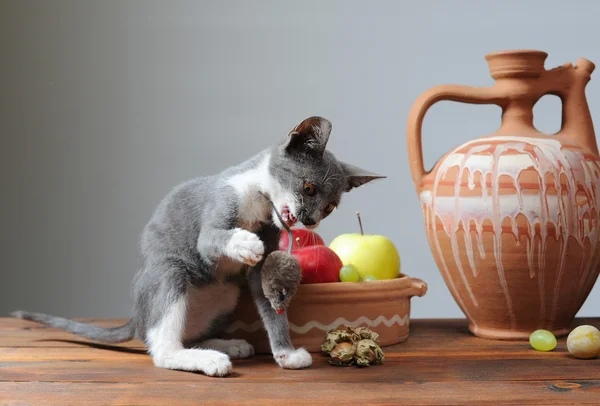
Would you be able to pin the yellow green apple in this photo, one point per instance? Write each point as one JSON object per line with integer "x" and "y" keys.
{"x": 371, "y": 255}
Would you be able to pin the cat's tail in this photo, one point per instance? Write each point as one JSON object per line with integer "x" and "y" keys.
{"x": 112, "y": 335}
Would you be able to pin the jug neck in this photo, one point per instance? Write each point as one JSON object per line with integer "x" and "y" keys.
{"x": 521, "y": 80}
{"x": 517, "y": 115}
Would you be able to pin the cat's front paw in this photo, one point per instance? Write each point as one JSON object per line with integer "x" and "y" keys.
{"x": 293, "y": 359}
{"x": 245, "y": 247}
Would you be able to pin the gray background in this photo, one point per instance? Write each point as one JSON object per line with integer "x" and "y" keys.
{"x": 106, "y": 105}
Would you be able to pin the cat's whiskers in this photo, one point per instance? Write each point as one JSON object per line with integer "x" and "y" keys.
{"x": 331, "y": 178}
{"x": 328, "y": 169}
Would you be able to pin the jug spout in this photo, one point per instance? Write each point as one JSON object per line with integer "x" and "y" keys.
{"x": 568, "y": 82}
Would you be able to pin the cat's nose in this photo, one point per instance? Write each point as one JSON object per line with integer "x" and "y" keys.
{"x": 307, "y": 221}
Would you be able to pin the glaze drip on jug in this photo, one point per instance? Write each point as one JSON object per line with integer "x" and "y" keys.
{"x": 572, "y": 216}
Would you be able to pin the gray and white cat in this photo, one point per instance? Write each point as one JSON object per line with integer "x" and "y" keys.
{"x": 201, "y": 237}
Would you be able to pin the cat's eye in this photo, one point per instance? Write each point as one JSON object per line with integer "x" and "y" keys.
{"x": 329, "y": 208}
{"x": 309, "y": 189}
{"x": 281, "y": 296}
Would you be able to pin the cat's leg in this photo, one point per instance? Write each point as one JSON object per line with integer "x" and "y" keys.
{"x": 236, "y": 349}
{"x": 238, "y": 244}
{"x": 277, "y": 329}
{"x": 209, "y": 310}
{"x": 165, "y": 341}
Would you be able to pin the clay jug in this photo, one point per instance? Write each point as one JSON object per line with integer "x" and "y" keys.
{"x": 512, "y": 217}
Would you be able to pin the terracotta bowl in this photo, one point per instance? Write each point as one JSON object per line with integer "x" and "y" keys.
{"x": 383, "y": 306}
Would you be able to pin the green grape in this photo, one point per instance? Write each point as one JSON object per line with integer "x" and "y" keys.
{"x": 370, "y": 278}
{"x": 348, "y": 273}
{"x": 542, "y": 340}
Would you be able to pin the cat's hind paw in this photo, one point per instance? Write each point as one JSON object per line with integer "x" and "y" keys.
{"x": 239, "y": 349}
{"x": 235, "y": 349}
{"x": 294, "y": 359}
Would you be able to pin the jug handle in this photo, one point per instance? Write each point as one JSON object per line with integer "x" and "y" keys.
{"x": 457, "y": 93}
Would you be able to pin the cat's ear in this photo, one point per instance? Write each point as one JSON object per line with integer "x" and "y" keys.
{"x": 356, "y": 177}
{"x": 310, "y": 136}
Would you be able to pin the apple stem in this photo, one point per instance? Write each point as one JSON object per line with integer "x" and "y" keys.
{"x": 298, "y": 242}
{"x": 360, "y": 223}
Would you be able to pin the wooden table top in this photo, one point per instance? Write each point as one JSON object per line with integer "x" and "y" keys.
{"x": 441, "y": 363}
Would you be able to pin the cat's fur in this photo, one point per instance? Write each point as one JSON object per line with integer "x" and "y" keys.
{"x": 201, "y": 237}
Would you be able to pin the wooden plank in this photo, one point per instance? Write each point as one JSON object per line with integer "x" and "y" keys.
{"x": 13, "y": 323}
{"x": 435, "y": 335}
{"x": 82, "y": 353}
{"x": 24, "y": 333}
{"x": 51, "y": 338}
{"x": 433, "y": 326}
{"x": 227, "y": 391}
{"x": 264, "y": 369}
{"x": 450, "y": 344}
{"x": 98, "y": 352}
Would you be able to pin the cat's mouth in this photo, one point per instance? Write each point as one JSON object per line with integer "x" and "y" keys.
{"x": 288, "y": 217}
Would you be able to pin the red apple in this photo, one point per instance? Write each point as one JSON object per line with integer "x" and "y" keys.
{"x": 319, "y": 264}
{"x": 302, "y": 238}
